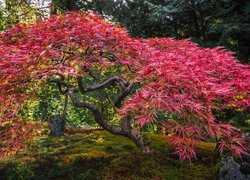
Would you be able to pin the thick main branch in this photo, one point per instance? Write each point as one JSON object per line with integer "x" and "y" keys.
{"x": 104, "y": 84}
{"x": 126, "y": 128}
{"x": 61, "y": 83}
{"x": 123, "y": 95}
{"x": 96, "y": 113}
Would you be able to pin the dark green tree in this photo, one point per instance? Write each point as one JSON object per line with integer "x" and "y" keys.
{"x": 233, "y": 28}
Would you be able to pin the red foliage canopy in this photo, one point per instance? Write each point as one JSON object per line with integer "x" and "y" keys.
{"x": 179, "y": 79}
{"x": 188, "y": 83}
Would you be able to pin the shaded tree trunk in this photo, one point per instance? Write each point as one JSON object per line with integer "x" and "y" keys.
{"x": 126, "y": 129}
{"x": 195, "y": 19}
{"x": 203, "y": 26}
{"x": 135, "y": 135}
{"x": 244, "y": 49}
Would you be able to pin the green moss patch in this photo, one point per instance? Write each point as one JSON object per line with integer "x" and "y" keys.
{"x": 101, "y": 155}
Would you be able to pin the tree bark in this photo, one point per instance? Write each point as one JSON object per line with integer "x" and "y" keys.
{"x": 135, "y": 135}
{"x": 139, "y": 140}
{"x": 126, "y": 130}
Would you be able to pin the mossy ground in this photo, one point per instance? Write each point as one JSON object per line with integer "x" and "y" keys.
{"x": 101, "y": 155}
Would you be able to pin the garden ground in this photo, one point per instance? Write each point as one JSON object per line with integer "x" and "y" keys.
{"x": 97, "y": 154}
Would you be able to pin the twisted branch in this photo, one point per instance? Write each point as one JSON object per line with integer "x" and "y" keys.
{"x": 96, "y": 113}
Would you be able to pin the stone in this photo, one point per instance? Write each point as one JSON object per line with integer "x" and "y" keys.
{"x": 56, "y": 125}
{"x": 231, "y": 170}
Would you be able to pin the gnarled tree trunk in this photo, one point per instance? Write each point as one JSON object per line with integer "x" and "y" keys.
{"x": 135, "y": 135}
{"x": 139, "y": 140}
{"x": 126, "y": 129}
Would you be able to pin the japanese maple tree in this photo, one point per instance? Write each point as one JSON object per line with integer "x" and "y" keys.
{"x": 87, "y": 56}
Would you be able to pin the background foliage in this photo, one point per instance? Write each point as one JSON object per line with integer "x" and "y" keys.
{"x": 208, "y": 22}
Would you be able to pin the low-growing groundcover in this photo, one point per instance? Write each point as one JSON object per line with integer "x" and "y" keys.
{"x": 98, "y": 154}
